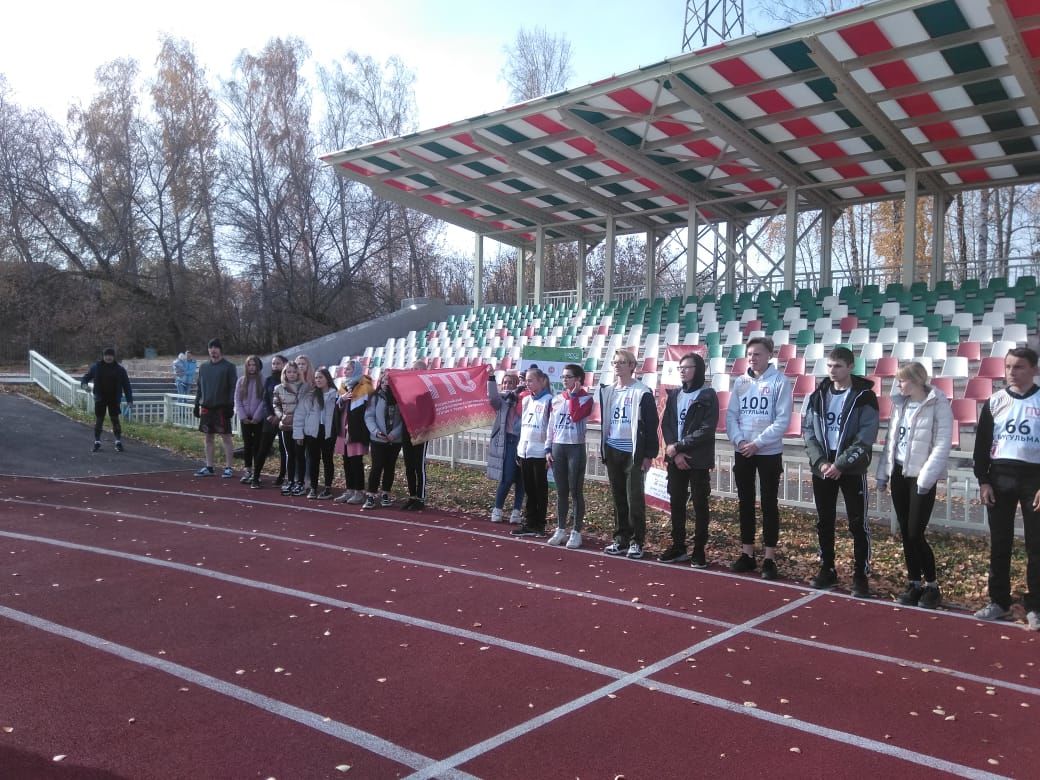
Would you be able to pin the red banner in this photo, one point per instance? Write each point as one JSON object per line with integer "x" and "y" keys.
{"x": 442, "y": 401}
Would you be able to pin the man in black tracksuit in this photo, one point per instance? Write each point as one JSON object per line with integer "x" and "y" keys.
{"x": 840, "y": 428}
{"x": 691, "y": 415}
{"x": 111, "y": 385}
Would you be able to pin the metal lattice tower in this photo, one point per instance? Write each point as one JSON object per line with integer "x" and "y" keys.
{"x": 711, "y": 21}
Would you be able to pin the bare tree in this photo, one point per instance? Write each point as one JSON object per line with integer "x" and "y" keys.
{"x": 537, "y": 63}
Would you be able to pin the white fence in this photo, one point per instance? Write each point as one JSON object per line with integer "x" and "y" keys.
{"x": 957, "y": 506}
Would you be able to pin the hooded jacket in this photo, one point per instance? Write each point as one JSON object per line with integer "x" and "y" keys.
{"x": 697, "y": 441}
{"x": 313, "y": 411}
{"x": 858, "y": 427}
{"x": 771, "y": 394}
{"x": 503, "y": 404}
{"x": 384, "y": 416}
{"x": 110, "y": 382}
{"x": 929, "y": 440}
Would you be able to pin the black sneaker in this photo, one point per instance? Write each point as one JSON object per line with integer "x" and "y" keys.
{"x": 616, "y": 548}
{"x": 312, "y": 494}
{"x": 825, "y": 579}
{"x": 287, "y": 488}
{"x": 279, "y": 481}
{"x": 698, "y": 560}
{"x": 324, "y": 494}
{"x": 910, "y": 596}
{"x": 119, "y": 446}
{"x": 254, "y": 484}
{"x": 930, "y": 597}
{"x": 769, "y": 571}
{"x": 527, "y": 530}
{"x": 744, "y": 563}
{"x": 674, "y": 555}
{"x": 415, "y": 505}
{"x": 97, "y": 447}
{"x": 860, "y": 586}
{"x": 246, "y": 479}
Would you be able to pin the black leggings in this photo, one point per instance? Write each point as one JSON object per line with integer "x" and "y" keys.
{"x": 252, "y": 433}
{"x": 354, "y": 471}
{"x": 267, "y": 440}
{"x": 295, "y": 458}
{"x": 913, "y": 511}
{"x": 384, "y": 461}
{"x": 318, "y": 451}
{"x": 112, "y": 408}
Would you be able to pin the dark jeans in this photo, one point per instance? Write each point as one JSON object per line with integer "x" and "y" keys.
{"x": 252, "y": 434}
{"x": 112, "y": 408}
{"x": 853, "y": 488}
{"x": 294, "y": 458}
{"x": 913, "y": 511}
{"x": 384, "y": 461}
{"x": 267, "y": 439}
{"x": 415, "y": 468}
{"x": 510, "y": 476}
{"x": 354, "y": 471}
{"x": 768, "y": 469}
{"x": 569, "y": 461}
{"x": 1012, "y": 491}
{"x": 627, "y": 488}
{"x": 681, "y": 482}
{"x": 536, "y": 486}
{"x": 318, "y": 451}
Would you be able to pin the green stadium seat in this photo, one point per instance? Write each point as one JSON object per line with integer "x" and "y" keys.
{"x": 736, "y": 351}
{"x": 951, "y": 334}
{"x": 713, "y": 339}
{"x": 714, "y": 351}
{"x": 805, "y": 337}
{"x": 944, "y": 287}
{"x": 1026, "y": 283}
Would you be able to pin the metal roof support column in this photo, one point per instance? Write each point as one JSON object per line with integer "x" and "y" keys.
{"x": 730, "y": 268}
{"x": 520, "y": 289}
{"x": 692, "y": 228}
{"x": 539, "y": 263}
{"x": 478, "y": 270}
{"x": 651, "y": 265}
{"x": 830, "y": 216}
{"x": 910, "y": 227}
{"x": 608, "y": 260}
{"x": 940, "y": 202}
{"x": 790, "y": 237}
{"x": 579, "y": 281}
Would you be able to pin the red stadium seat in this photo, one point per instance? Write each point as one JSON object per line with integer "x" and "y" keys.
{"x": 887, "y": 366}
{"x": 884, "y": 403}
{"x": 795, "y": 366}
{"x": 965, "y": 410}
{"x": 848, "y": 324}
{"x": 803, "y": 385}
{"x": 785, "y": 352}
{"x": 739, "y": 367}
{"x": 723, "y": 396}
{"x": 794, "y": 428}
{"x": 971, "y": 350}
{"x": 944, "y": 384}
{"x": 991, "y": 368}
{"x": 979, "y": 389}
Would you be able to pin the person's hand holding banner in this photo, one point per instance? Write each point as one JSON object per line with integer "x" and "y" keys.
{"x": 441, "y": 401}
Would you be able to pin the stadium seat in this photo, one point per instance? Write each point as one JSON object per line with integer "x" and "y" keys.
{"x": 859, "y": 336}
{"x": 820, "y": 367}
{"x": 785, "y": 352}
{"x": 971, "y": 350}
{"x": 1015, "y": 332}
{"x": 813, "y": 352}
{"x": 962, "y": 320}
{"x": 951, "y": 334}
{"x": 936, "y": 350}
{"x": 978, "y": 388}
{"x": 981, "y": 333}
{"x": 918, "y": 334}
{"x": 903, "y": 351}
{"x": 887, "y": 336}
{"x": 965, "y": 410}
{"x": 803, "y": 385}
{"x": 884, "y": 407}
{"x": 848, "y": 324}
{"x": 886, "y": 367}
{"x": 1001, "y": 348}
{"x": 872, "y": 351}
{"x": 740, "y": 366}
{"x": 944, "y": 384}
{"x": 794, "y": 427}
{"x": 956, "y": 367}
{"x": 991, "y": 367}
{"x": 795, "y": 366}
{"x": 721, "y": 382}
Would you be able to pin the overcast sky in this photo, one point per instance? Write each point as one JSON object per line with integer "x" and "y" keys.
{"x": 50, "y": 49}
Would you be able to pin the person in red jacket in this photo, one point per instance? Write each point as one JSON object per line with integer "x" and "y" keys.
{"x": 566, "y": 454}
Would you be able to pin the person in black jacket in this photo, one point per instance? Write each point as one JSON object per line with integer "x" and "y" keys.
{"x": 269, "y": 436}
{"x": 111, "y": 385}
{"x": 691, "y": 415}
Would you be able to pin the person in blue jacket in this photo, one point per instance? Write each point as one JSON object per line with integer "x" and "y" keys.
{"x": 111, "y": 385}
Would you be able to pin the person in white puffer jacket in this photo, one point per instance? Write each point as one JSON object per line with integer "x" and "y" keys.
{"x": 916, "y": 455}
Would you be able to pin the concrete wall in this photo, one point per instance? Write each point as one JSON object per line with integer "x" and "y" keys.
{"x": 414, "y": 314}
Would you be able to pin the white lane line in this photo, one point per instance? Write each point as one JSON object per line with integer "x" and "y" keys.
{"x": 311, "y": 720}
{"x": 641, "y": 678}
{"x": 549, "y": 655}
{"x": 527, "y": 584}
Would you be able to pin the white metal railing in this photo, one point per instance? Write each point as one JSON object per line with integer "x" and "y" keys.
{"x": 957, "y": 506}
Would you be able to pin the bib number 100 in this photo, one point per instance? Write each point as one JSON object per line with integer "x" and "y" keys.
{"x": 756, "y": 403}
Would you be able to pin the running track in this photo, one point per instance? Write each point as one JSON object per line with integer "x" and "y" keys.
{"x": 158, "y": 625}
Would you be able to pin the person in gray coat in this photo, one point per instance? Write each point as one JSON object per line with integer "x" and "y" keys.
{"x": 505, "y": 433}
{"x": 385, "y": 425}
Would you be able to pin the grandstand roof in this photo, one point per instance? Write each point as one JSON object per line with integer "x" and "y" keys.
{"x": 837, "y": 108}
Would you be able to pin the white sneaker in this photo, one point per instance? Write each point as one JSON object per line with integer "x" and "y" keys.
{"x": 574, "y": 542}
{"x": 496, "y": 515}
{"x": 558, "y": 537}
{"x": 343, "y": 499}
{"x": 357, "y": 498}
{"x": 516, "y": 517}
{"x": 1033, "y": 621}
{"x": 635, "y": 550}
{"x": 992, "y": 611}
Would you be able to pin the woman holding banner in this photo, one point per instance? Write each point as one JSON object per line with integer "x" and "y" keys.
{"x": 566, "y": 454}
{"x": 505, "y": 435}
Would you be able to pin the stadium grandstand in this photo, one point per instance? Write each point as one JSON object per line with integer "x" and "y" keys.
{"x": 907, "y": 99}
